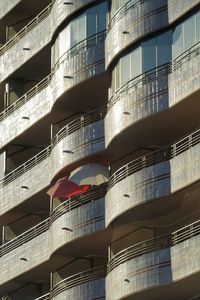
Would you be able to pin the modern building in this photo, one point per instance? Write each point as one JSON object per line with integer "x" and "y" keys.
{"x": 116, "y": 84}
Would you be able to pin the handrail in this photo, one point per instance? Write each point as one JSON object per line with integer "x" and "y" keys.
{"x": 71, "y": 203}
{"x": 78, "y": 123}
{"x": 44, "y": 297}
{"x": 93, "y": 40}
{"x": 155, "y": 157}
{"x": 139, "y": 164}
{"x": 29, "y": 164}
{"x": 77, "y": 279}
{"x": 85, "y": 120}
{"x": 34, "y": 22}
{"x": 155, "y": 74}
{"x": 87, "y": 43}
{"x": 138, "y": 249}
{"x": 121, "y": 11}
{"x": 186, "y": 233}
{"x": 24, "y": 237}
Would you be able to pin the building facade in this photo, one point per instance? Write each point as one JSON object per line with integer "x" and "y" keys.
{"x": 115, "y": 83}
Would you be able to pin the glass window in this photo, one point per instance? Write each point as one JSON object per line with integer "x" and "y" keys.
{"x": 177, "y": 39}
{"x": 148, "y": 55}
{"x": 91, "y": 21}
{"x": 101, "y": 13}
{"x": 135, "y": 62}
{"x": 117, "y": 77}
{"x": 81, "y": 27}
{"x": 198, "y": 27}
{"x": 73, "y": 33}
{"x": 164, "y": 42}
{"x": 189, "y": 32}
{"x": 125, "y": 69}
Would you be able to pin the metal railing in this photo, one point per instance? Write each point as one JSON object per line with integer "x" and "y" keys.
{"x": 79, "y": 123}
{"x": 33, "y": 23}
{"x": 122, "y": 11}
{"x": 139, "y": 164}
{"x": 44, "y": 297}
{"x": 91, "y": 195}
{"x": 29, "y": 164}
{"x": 155, "y": 74}
{"x": 25, "y": 237}
{"x": 83, "y": 45}
{"x": 139, "y": 249}
{"x": 26, "y": 97}
{"x": 78, "y": 279}
{"x": 186, "y": 233}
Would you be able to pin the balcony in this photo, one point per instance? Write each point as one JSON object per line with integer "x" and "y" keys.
{"x": 24, "y": 44}
{"x": 83, "y": 61}
{"x": 25, "y": 252}
{"x": 132, "y": 21}
{"x": 77, "y": 217}
{"x": 139, "y": 267}
{"x": 177, "y": 10}
{"x": 153, "y": 176}
{"x": 79, "y": 140}
{"x": 85, "y": 285}
{"x": 155, "y": 93}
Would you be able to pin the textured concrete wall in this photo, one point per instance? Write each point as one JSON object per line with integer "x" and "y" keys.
{"x": 176, "y": 9}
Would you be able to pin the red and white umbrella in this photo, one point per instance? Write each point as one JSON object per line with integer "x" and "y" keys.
{"x": 64, "y": 188}
{"x": 90, "y": 174}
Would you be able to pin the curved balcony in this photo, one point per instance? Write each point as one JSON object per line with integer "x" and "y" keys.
{"x": 77, "y": 141}
{"x": 81, "y": 138}
{"x": 25, "y": 252}
{"x": 177, "y": 10}
{"x": 41, "y": 28}
{"x": 6, "y": 6}
{"x": 153, "y": 176}
{"x": 77, "y": 217}
{"x": 151, "y": 93}
{"x": 83, "y": 61}
{"x": 85, "y": 285}
{"x": 139, "y": 267}
{"x": 185, "y": 254}
{"x": 132, "y": 21}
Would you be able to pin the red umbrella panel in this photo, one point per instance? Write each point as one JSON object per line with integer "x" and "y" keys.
{"x": 64, "y": 188}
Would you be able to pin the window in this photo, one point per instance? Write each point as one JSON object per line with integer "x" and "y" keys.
{"x": 148, "y": 55}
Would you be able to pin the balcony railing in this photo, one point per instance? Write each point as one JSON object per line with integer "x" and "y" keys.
{"x": 35, "y": 160}
{"x": 44, "y": 297}
{"x": 25, "y": 237}
{"x": 76, "y": 201}
{"x": 78, "y": 279}
{"x": 155, "y": 158}
{"x": 139, "y": 249}
{"x": 155, "y": 74}
{"x": 33, "y": 23}
{"x": 186, "y": 233}
{"x": 79, "y": 123}
{"x": 83, "y": 45}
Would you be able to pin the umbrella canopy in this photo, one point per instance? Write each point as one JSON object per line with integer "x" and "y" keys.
{"x": 90, "y": 174}
{"x": 64, "y": 188}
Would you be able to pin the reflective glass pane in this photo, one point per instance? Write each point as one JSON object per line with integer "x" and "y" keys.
{"x": 189, "y": 32}
{"x": 73, "y": 33}
{"x": 81, "y": 27}
{"x": 177, "y": 40}
{"x": 101, "y": 16}
{"x": 135, "y": 62}
{"x": 198, "y": 27}
{"x": 91, "y": 21}
{"x": 125, "y": 69}
{"x": 148, "y": 55}
{"x": 164, "y": 48}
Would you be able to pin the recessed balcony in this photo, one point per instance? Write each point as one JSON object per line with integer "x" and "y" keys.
{"x": 83, "y": 61}
{"x": 85, "y": 285}
{"x": 156, "y": 175}
{"x": 132, "y": 21}
{"x": 24, "y": 252}
{"x": 150, "y": 102}
{"x": 76, "y": 142}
